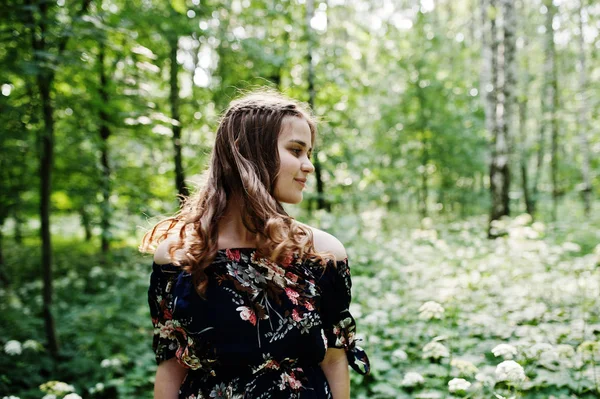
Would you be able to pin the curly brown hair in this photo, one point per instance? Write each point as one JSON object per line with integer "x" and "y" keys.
{"x": 244, "y": 165}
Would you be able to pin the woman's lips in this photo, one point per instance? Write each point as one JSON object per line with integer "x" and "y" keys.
{"x": 302, "y": 182}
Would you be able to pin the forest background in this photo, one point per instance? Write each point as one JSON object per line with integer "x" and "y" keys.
{"x": 457, "y": 160}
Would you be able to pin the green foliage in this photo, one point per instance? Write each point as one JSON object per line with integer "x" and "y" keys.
{"x": 534, "y": 289}
{"x": 401, "y": 131}
{"x": 102, "y": 320}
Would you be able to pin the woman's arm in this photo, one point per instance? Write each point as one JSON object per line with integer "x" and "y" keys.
{"x": 335, "y": 367}
{"x": 169, "y": 377}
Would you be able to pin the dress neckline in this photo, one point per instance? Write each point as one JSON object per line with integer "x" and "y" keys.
{"x": 237, "y": 249}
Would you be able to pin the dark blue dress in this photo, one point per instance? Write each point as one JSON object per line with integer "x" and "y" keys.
{"x": 262, "y": 330}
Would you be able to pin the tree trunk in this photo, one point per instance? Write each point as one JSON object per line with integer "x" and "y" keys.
{"x": 321, "y": 203}
{"x": 495, "y": 117}
{"x": 18, "y": 219}
{"x": 506, "y": 113}
{"x": 540, "y": 158}
{"x": 46, "y": 164}
{"x": 176, "y": 123}
{"x": 582, "y": 121}
{"x": 104, "y": 162}
{"x": 551, "y": 73}
{"x": 523, "y": 142}
{"x": 44, "y": 78}
{"x": 44, "y": 82}
{"x": 486, "y": 86}
{"x": 523, "y": 156}
{"x": 424, "y": 189}
{"x": 3, "y": 275}
{"x": 422, "y": 126}
{"x": 86, "y": 223}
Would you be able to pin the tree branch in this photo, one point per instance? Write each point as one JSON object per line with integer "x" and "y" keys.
{"x": 65, "y": 36}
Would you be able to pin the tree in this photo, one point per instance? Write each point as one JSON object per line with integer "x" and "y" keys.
{"x": 173, "y": 40}
{"x": 550, "y": 99}
{"x": 321, "y": 203}
{"x": 495, "y": 61}
{"x": 105, "y": 133}
{"x": 39, "y": 19}
{"x": 582, "y": 123}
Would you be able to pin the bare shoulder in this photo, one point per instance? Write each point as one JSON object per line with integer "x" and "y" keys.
{"x": 325, "y": 242}
{"x": 162, "y": 254}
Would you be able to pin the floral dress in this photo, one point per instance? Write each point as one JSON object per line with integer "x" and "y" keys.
{"x": 262, "y": 330}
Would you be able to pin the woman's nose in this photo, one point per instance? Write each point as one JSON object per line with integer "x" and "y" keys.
{"x": 307, "y": 166}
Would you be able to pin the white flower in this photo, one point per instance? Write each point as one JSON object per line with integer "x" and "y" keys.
{"x": 431, "y": 310}
{"x": 13, "y": 348}
{"x": 72, "y": 396}
{"x": 427, "y": 223}
{"x": 33, "y": 345}
{"x": 435, "y": 350}
{"x": 49, "y": 396}
{"x": 399, "y": 354}
{"x": 63, "y": 387}
{"x": 538, "y": 349}
{"x": 571, "y": 247}
{"x": 458, "y": 384}
{"x": 505, "y": 350}
{"x": 99, "y": 387}
{"x": 411, "y": 379}
{"x": 590, "y": 348}
{"x": 56, "y": 388}
{"x": 96, "y": 272}
{"x": 464, "y": 367}
{"x": 539, "y": 226}
{"x": 565, "y": 351}
{"x": 510, "y": 371}
{"x": 523, "y": 219}
{"x": 485, "y": 379}
{"x": 110, "y": 363}
{"x": 10, "y": 397}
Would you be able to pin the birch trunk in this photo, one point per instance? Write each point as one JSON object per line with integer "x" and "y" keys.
{"x": 523, "y": 140}
{"x": 552, "y": 120}
{"x": 485, "y": 82}
{"x": 506, "y": 133}
{"x": 582, "y": 120}
{"x": 495, "y": 121}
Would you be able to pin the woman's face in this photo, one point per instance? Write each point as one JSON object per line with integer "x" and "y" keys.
{"x": 295, "y": 147}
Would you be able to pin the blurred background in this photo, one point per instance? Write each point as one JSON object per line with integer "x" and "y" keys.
{"x": 457, "y": 160}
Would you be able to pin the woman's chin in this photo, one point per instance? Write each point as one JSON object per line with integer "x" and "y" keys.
{"x": 292, "y": 200}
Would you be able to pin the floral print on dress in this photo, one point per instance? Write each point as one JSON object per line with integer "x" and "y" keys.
{"x": 262, "y": 330}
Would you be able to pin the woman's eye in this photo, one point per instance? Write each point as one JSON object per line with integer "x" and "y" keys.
{"x": 297, "y": 151}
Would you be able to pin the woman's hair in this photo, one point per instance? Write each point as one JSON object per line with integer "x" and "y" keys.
{"x": 243, "y": 167}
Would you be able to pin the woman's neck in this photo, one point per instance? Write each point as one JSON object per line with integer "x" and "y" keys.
{"x": 232, "y": 231}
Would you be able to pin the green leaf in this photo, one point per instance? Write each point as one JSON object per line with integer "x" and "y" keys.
{"x": 179, "y": 6}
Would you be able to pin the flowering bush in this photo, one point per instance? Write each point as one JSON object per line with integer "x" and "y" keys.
{"x": 510, "y": 371}
{"x": 442, "y": 311}
{"x": 512, "y": 317}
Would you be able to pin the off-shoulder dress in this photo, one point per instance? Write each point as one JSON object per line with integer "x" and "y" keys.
{"x": 262, "y": 330}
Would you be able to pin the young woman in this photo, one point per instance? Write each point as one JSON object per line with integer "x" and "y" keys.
{"x": 245, "y": 301}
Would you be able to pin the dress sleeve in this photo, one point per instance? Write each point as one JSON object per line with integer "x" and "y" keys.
{"x": 160, "y": 300}
{"x": 338, "y": 323}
